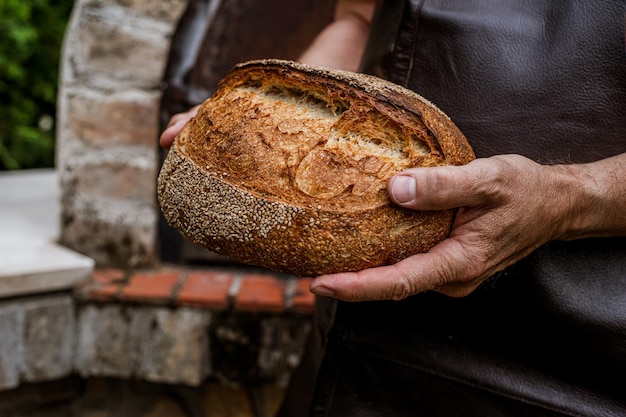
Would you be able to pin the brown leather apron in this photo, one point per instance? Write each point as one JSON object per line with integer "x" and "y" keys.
{"x": 547, "y": 337}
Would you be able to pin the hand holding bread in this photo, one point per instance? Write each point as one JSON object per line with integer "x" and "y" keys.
{"x": 509, "y": 206}
{"x": 286, "y": 167}
{"x": 319, "y": 172}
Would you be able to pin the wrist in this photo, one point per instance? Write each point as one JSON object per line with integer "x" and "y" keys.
{"x": 592, "y": 200}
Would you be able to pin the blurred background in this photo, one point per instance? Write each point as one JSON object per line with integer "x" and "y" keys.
{"x": 31, "y": 33}
{"x": 105, "y": 311}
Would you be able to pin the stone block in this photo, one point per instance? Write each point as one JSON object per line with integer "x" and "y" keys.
{"x": 251, "y": 347}
{"x": 129, "y": 55}
{"x": 281, "y": 346}
{"x": 174, "y": 344}
{"x": 116, "y": 181}
{"x": 11, "y": 345}
{"x": 113, "y": 233}
{"x": 108, "y": 204}
{"x": 121, "y": 118}
{"x": 168, "y": 11}
{"x": 153, "y": 344}
{"x": 104, "y": 341}
{"x": 48, "y": 338}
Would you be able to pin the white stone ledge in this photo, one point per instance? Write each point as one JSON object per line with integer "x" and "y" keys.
{"x": 30, "y": 261}
{"x": 31, "y": 265}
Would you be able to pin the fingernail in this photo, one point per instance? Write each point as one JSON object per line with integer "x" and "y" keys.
{"x": 403, "y": 189}
{"x": 323, "y": 291}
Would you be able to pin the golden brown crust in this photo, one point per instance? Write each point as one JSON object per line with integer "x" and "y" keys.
{"x": 286, "y": 167}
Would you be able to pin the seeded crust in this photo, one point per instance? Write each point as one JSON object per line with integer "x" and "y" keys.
{"x": 286, "y": 167}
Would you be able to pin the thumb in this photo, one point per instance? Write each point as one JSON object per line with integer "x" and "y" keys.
{"x": 439, "y": 188}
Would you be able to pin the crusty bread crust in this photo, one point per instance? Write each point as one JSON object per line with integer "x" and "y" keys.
{"x": 286, "y": 167}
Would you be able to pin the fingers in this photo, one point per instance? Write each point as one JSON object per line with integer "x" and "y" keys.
{"x": 441, "y": 188}
{"x": 499, "y": 199}
{"x": 175, "y": 125}
{"x": 444, "y": 269}
{"x": 183, "y": 117}
{"x": 168, "y": 135}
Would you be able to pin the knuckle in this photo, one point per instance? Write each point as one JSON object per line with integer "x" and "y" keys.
{"x": 475, "y": 270}
{"x": 491, "y": 178}
{"x": 401, "y": 290}
{"x": 444, "y": 179}
{"x": 436, "y": 186}
{"x": 403, "y": 287}
{"x": 445, "y": 271}
{"x": 451, "y": 275}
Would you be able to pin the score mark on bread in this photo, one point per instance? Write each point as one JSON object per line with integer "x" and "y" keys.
{"x": 286, "y": 167}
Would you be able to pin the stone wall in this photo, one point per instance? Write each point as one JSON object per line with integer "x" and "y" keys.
{"x": 147, "y": 326}
{"x": 38, "y": 339}
{"x": 113, "y": 59}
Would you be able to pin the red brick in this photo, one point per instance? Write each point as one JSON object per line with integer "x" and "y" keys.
{"x": 303, "y": 300}
{"x": 102, "y": 293}
{"x": 106, "y": 276}
{"x": 105, "y": 284}
{"x": 206, "y": 289}
{"x": 154, "y": 286}
{"x": 260, "y": 293}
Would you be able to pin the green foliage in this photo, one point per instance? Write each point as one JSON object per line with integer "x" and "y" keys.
{"x": 31, "y": 33}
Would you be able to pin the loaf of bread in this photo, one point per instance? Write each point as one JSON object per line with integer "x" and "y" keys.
{"x": 286, "y": 167}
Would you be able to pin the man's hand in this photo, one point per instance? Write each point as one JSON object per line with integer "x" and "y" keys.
{"x": 509, "y": 206}
{"x": 175, "y": 125}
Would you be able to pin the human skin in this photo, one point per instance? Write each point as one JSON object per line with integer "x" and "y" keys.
{"x": 508, "y": 205}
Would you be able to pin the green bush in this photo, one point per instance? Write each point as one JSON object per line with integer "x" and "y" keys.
{"x": 31, "y": 33}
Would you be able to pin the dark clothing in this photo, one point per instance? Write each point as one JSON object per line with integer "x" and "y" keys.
{"x": 544, "y": 79}
{"x": 546, "y": 337}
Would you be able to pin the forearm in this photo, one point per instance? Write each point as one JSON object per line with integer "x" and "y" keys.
{"x": 340, "y": 45}
{"x": 596, "y": 198}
